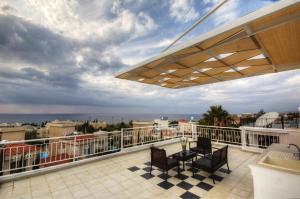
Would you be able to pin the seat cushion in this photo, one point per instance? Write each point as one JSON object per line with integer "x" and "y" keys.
{"x": 203, "y": 163}
{"x": 172, "y": 163}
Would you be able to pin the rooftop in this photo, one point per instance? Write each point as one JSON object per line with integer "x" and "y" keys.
{"x": 124, "y": 176}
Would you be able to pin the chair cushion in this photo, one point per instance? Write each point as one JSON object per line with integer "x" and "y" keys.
{"x": 172, "y": 163}
{"x": 203, "y": 163}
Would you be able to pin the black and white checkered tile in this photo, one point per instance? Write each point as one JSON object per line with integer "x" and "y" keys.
{"x": 189, "y": 184}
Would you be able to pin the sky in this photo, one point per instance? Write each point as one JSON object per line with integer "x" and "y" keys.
{"x": 62, "y": 56}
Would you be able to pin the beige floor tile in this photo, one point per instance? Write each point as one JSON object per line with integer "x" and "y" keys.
{"x": 233, "y": 196}
{"x": 16, "y": 191}
{"x": 102, "y": 193}
{"x": 40, "y": 192}
{"x": 62, "y": 194}
{"x": 241, "y": 192}
{"x": 48, "y": 196}
{"x": 5, "y": 193}
{"x": 198, "y": 191}
{"x": 177, "y": 190}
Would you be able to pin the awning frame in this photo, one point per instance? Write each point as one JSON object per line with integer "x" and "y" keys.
{"x": 244, "y": 31}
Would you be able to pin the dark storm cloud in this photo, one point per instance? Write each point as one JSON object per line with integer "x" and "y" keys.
{"x": 20, "y": 40}
{"x": 46, "y": 70}
{"x": 25, "y": 43}
{"x": 29, "y": 43}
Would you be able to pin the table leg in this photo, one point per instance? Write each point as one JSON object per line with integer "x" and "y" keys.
{"x": 193, "y": 160}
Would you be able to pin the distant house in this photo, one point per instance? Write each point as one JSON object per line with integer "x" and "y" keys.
{"x": 58, "y": 128}
{"x": 163, "y": 122}
{"x": 13, "y": 133}
{"x": 141, "y": 124}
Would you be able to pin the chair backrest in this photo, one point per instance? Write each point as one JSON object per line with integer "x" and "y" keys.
{"x": 158, "y": 157}
{"x": 219, "y": 156}
{"x": 203, "y": 142}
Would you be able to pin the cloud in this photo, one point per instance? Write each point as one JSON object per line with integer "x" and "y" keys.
{"x": 62, "y": 57}
{"x": 183, "y": 10}
{"x": 227, "y": 12}
{"x": 22, "y": 41}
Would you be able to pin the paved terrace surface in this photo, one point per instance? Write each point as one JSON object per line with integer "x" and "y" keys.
{"x": 112, "y": 178}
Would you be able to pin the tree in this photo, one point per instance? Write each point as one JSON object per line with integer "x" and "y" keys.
{"x": 117, "y": 126}
{"x": 259, "y": 113}
{"x": 31, "y": 134}
{"x": 174, "y": 122}
{"x": 216, "y": 116}
{"x": 85, "y": 128}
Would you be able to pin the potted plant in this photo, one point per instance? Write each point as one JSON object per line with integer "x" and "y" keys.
{"x": 183, "y": 141}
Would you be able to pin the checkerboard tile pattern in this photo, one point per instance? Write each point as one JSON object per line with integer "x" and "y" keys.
{"x": 187, "y": 185}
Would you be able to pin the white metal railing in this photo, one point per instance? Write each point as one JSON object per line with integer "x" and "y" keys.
{"x": 20, "y": 156}
{"x": 258, "y": 139}
{"x": 220, "y": 134}
{"x": 144, "y": 135}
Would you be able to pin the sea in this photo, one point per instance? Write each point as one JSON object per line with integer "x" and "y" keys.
{"x": 111, "y": 119}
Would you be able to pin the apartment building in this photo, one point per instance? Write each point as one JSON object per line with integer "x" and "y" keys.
{"x": 12, "y": 133}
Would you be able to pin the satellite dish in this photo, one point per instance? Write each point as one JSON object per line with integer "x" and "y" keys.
{"x": 266, "y": 119}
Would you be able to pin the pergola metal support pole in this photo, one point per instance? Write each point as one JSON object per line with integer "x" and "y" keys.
{"x": 195, "y": 24}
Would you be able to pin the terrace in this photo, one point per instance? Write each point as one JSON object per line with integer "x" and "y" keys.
{"x": 112, "y": 178}
{"x": 116, "y": 165}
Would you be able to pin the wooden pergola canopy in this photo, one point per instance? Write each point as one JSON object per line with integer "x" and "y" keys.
{"x": 265, "y": 41}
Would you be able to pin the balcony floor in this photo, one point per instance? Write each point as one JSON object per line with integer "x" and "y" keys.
{"x": 111, "y": 178}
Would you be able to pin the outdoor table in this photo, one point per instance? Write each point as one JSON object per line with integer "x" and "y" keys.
{"x": 184, "y": 156}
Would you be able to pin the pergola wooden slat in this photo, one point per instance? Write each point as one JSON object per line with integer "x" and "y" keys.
{"x": 265, "y": 41}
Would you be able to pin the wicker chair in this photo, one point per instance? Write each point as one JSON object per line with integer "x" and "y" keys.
{"x": 203, "y": 146}
{"x": 212, "y": 162}
{"x": 160, "y": 160}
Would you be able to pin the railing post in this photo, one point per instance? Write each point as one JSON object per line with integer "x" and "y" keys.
{"x": 122, "y": 139}
{"x": 243, "y": 138}
{"x": 74, "y": 149}
{"x": 193, "y": 131}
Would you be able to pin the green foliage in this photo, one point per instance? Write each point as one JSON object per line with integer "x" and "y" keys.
{"x": 31, "y": 124}
{"x": 174, "y": 122}
{"x": 85, "y": 128}
{"x": 259, "y": 113}
{"x": 216, "y": 116}
{"x": 118, "y": 126}
{"x": 43, "y": 124}
{"x": 32, "y": 134}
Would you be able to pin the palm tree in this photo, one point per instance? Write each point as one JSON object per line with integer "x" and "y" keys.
{"x": 216, "y": 116}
